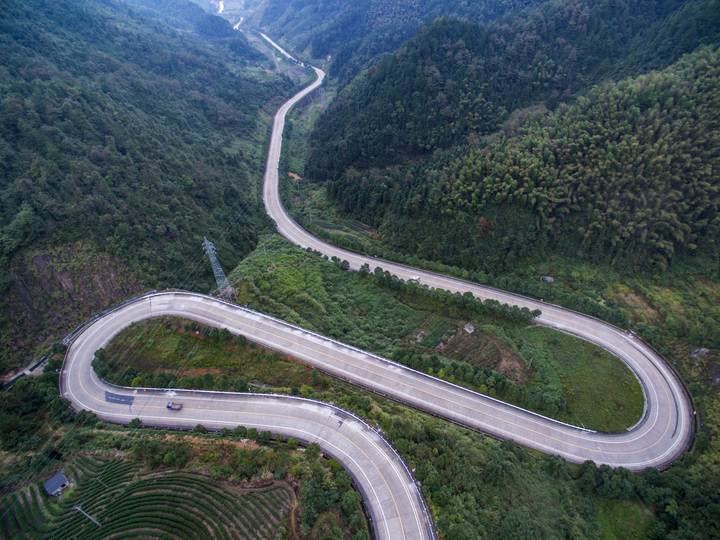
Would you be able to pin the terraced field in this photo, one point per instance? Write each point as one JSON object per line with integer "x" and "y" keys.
{"x": 131, "y": 504}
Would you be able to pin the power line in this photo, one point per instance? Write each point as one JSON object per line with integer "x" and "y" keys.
{"x": 189, "y": 269}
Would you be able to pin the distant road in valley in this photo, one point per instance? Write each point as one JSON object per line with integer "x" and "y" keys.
{"x": 388, "y": 488}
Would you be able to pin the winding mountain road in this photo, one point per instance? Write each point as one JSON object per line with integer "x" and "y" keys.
{"x": 666, "y": 426}
{"x": 659, "y": 438}
{"x": 388, "y": 488}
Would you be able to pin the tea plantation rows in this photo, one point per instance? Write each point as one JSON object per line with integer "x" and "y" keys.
{"x": 130, "y": 503}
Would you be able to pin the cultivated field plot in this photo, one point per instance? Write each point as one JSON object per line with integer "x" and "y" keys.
{"x": 131, "y": 504}
{"x": 451, "y": 340}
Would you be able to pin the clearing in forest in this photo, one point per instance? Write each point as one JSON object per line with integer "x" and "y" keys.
{"x": 452, "y": 340}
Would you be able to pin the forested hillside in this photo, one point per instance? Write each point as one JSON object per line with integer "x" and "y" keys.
{"x": 126, "y": 132}
{"x": 457, "y": 128}
{"x": 456, "y": 81}
{"x": 189, "y": 16}
{"x": 627, "y": 175}
{"x": 354, "y": 32}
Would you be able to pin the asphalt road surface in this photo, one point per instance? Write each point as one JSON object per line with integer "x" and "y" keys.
{"x": 660, "y": 437}
{"x": 387, "y": 486}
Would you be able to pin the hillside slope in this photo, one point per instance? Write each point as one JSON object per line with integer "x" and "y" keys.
{"x": 355, "y": 34}
{"x": 124, "y": 132}
{"x": 628, "y": 175}
{"x": 351, "y": 33}
{"x": 456, "y": 81}
{"x": 454, "y": 153}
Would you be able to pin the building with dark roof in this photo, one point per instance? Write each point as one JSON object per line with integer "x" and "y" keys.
{"x": 56, "y": 484}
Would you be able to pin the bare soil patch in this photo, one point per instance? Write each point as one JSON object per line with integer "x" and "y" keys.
{"x": 452, "y": 340}
{"x": 53, "y": 290}
{"x": 490, "y": 352}
{"x": 638, "y": 308}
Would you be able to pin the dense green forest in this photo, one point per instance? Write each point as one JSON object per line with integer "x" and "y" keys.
{"x": 353, "y": 33}
{"x": 622, "y": 175}
{"x": 130, "y": 134}
{"x": 456, "y": 81}
{"x": 185, "y": 15}
{"x": 102, "y": 108}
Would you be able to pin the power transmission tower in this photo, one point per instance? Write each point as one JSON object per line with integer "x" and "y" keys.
{"x": 224, "y": 288}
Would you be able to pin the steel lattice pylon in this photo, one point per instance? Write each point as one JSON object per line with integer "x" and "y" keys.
{"x": 224, "y": 288}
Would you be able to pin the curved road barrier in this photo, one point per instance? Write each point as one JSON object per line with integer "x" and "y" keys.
{"x": 388, "y": 488}
{"x": 659, "y": 438}
{"x": 386, "y": 484}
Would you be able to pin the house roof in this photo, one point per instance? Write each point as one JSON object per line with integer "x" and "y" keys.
{"x": 55, "y": 483}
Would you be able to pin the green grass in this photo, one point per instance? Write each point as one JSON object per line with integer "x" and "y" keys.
{"x": 624, "y": 520}
{"x": 170, "y": 347}
{"x": 436, "y": 331}
{"x": 308, "y": 291}
{"x": 601, "y": 391}
{"x": 305, "y": 290}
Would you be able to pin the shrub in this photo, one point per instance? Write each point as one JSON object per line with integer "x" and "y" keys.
{"x": 58, "y": 348}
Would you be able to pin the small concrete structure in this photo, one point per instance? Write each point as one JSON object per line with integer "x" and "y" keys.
{"x": 547, "y": 279}
{"x": 56, "y": 484}
{"x": 469, "y": 328}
